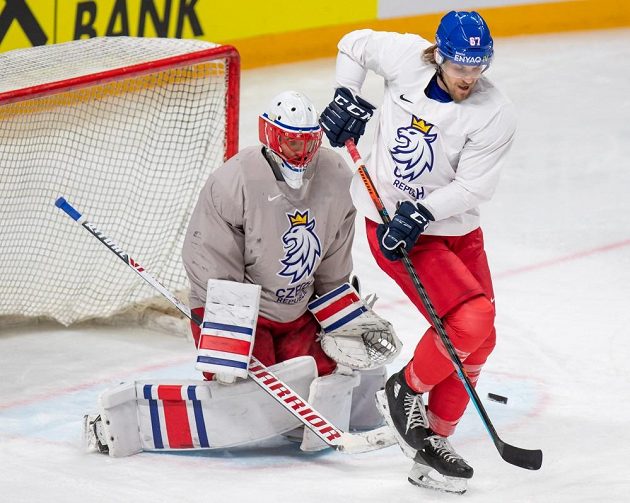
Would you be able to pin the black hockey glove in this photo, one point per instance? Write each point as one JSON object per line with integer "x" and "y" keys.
{"x": 345, "y": 117}
{"x": 408, "y": 223}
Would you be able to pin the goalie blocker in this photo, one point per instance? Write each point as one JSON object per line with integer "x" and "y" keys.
{"x": 228, "y": 329}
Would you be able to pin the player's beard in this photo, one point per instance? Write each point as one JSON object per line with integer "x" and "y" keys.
{"x": 462, "y": 91}
{"x": 458, "y": 89}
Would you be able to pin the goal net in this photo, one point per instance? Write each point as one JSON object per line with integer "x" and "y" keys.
{"x": 127, "y": 130}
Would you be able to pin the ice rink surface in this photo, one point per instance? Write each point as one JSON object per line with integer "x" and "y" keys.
{"x": 558, "y": 238}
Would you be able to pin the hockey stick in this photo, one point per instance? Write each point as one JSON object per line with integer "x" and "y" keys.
{"x": 351, "y": 443}
{"x": 525, "y": 458}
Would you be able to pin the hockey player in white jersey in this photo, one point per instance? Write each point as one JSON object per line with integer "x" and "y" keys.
{"x": 441, "y": 141}
{"x": 268, "y": 256}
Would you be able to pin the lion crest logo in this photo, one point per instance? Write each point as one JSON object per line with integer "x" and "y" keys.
{"x": 301, "y": 247}
{"x": 414, "y": 152}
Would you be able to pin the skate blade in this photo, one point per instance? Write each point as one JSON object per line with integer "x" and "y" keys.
{"x": 424, "y": 476}
{"x": 383, "y": 408}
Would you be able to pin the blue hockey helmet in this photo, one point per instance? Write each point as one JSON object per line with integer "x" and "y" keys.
{"x": 464, "y": 38}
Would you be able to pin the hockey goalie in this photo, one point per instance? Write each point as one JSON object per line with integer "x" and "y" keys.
{"x": 268, "y": 256}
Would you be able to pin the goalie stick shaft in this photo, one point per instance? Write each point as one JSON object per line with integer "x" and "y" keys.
{"x": 278, "y": 390}
{"x": 524, "y": 458}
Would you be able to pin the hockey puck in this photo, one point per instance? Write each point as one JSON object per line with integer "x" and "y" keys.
{"x": 497, "y": 398}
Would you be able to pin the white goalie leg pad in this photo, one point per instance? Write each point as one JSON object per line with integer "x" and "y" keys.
{"x": 168, "y": 415}
{"x": 353, "y": 334}
{"x": 364, "y": 414}
{"x": 331, "y": 396}
{"x": 119, "y": 420}
{"x": 228, "y": 329}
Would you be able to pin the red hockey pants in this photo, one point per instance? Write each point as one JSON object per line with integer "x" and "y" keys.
{"x": 276, "y": 342}
{"x": 454, "y": 271}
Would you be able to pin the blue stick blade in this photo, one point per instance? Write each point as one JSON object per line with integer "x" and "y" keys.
{"x": 67, "y": 207}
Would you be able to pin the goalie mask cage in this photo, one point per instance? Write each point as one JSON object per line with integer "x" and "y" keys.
{"x": 127, "y": 129}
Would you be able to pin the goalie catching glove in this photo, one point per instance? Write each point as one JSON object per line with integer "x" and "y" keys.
{"x": 352, "y": 333}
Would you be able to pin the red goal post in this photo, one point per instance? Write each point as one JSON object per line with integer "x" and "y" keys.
{"x": 127, "y": 128}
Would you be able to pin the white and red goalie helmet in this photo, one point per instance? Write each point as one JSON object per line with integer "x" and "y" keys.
{"x": 291, "y": 129}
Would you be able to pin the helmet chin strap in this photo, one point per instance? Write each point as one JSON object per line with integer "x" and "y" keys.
{"x": 291, "y": 174}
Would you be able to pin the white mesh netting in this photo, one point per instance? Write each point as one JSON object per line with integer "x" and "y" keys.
{"x": 131, "y": 154}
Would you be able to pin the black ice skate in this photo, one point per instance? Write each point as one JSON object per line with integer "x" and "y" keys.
{"x": 438, "y": 466}
{"x": 94, "y": 437}
{"x": 405, "y": 413}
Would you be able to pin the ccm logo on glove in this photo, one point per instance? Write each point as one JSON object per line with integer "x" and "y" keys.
{"x": 345, "y": 117}
{"x": 403, "y": 231}
{"x": 352, "y": 108}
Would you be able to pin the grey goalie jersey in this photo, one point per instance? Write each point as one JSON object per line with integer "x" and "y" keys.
{"x": 250, "y": 227}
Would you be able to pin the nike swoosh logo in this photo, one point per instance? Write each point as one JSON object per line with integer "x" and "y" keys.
{"x": 402, "y": 97}
{"x": 269, "y": 198}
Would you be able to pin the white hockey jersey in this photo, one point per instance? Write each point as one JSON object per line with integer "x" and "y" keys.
{"x": 447, "y": 156}
{"x": 250, "y": 227}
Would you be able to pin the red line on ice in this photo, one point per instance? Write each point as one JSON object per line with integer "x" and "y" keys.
{"x": 561, "y": 260}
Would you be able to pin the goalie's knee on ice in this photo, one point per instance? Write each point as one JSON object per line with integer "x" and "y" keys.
{"x": 347, "y": 400}
{"x": 331, "y": 396}
{"x": 364, "y": 413}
